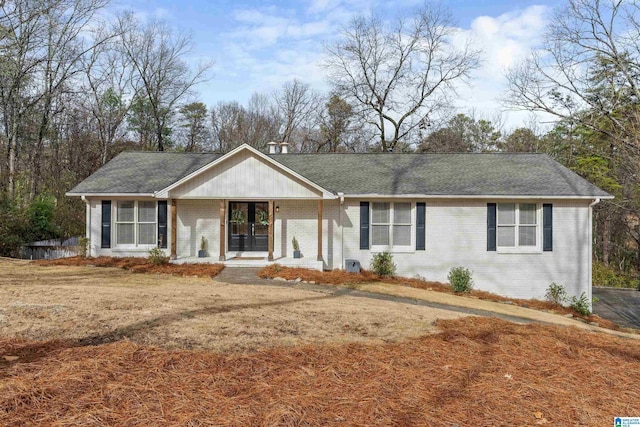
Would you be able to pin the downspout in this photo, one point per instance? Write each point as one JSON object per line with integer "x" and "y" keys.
{"x": 88, "y": 223}
{"x": 341, "y": 196}
{"x": 590, "y": 276}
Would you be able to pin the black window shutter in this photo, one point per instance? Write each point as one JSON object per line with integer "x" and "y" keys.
{"x": 364, "y": 225}
{"x": 106, "y": 224}
{"x": 547, "y": 227}
{"x": 420, "y": 226}
{"x": 491, "y": 226}
{"x": 162, "y": 223}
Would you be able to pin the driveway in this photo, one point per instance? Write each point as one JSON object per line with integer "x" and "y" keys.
{"x": 619, "y": 305}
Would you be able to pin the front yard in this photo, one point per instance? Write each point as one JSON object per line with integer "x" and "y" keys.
{"x": 105, "y": 346}
{"x": 100, "y": 305}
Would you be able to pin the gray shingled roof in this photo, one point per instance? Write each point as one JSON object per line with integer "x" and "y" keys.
{"x": 372, "y": 174}
{"x": 470, "y": 174}
{"x": 142, "y": 172}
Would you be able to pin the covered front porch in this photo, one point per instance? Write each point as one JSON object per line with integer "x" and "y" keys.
{"x": 255, "y": 261}
{"x": 246, "y": 208}
{"x": 249, "y": 232}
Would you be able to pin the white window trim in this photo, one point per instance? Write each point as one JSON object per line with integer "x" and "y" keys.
{"x": 114, "y": 227}
{"x": 391, "y": 247}
{"x": 521, "y": 249}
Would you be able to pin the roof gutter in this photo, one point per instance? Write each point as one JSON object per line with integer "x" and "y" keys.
{"x": 81, "y": 195}
{"x": 473, "y": 196}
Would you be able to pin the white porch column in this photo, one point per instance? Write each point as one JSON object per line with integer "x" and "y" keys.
{"x": 174, "y": 228}
{"x": 270, "y": 232}
{"x": 223, "y": 235}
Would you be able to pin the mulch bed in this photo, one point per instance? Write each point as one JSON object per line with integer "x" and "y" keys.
{"x": 476, "y": 372}
{"x": 340, "y": 277}
{"x": 139, "y": 265}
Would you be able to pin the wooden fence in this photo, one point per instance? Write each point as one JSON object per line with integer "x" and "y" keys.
{"x": 51, "y": 249}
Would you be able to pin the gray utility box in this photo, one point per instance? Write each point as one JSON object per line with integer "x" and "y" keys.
{"x": 353, "y": 266}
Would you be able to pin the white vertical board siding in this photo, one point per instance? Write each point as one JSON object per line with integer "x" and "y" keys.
{"x": 456, "y": 235}
{"x": 299, "y": 219}
{"x": 244, "y": 176}
{"x": 197, "y": 218}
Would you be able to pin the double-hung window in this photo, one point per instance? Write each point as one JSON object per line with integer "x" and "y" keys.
{"x": 517, "y": 225}
{"x": 391, "y": 226}
{"x": 136, "y": 223}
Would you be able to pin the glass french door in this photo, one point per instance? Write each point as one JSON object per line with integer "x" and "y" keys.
{"x": 248, "y": 226}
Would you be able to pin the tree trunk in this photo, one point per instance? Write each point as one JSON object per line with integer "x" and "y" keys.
{"x": 39, "y": 148}
{"x": 12, "y": 157}
{"x": 606, "y": 237}
{"x": 159, "y": 135}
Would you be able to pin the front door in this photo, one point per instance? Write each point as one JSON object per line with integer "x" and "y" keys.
{"x": 248, "y": 226}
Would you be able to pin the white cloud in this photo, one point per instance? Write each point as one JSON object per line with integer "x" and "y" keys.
{"x": 316, "y": 6}
{"x": 262, "y": 28}
{"x": 271, "y": 46}
{"x": 504, "y": 40}
{"x": 264, "y": 47}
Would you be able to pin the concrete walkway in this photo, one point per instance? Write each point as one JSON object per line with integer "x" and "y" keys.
{"x": 248, "y": 276}
{"x": 421, "y": 297}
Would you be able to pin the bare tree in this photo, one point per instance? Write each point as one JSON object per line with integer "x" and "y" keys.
{"x": 396, "y": 75}
{"x": 297, "y": 105}
{"x": 22, "y": 39}
{"x": 109, "y": 86}
{"x": 165, "y": 78}
{"x": 586, "y": 74}
{"x": 587, "y": 69}
{"x": 44, "y": 43}
{"x": 262, "y": 121}
{"x": 233, "y": 124}
{"x": 227, "y": 122}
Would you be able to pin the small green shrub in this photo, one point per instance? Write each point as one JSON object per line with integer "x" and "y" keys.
{"x": 83, "y": 246}
{"x": 460, "y": 279}
{"x": 295, "y": 244}
{"x": 382, "y": 264}
{"x": 556, "y": 294}
{"x": 581, "y": 305}
{"x": 612, "y": 278}
{"x": 157, "y": 257}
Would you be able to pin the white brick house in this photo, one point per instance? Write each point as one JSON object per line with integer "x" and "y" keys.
{"x": 518, "y": 221}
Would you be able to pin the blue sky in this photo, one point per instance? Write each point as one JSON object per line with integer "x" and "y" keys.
{"x": 257, "y": 46}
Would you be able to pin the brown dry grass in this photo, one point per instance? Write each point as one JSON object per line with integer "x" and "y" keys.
{"x": 476, "y": 372}
{"x": 100, "y": 305}
{"x": 340, "y": 277}
{"x": 139, "y": 265}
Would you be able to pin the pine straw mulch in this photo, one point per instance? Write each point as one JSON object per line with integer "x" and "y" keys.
{"x": 340, "y": 277}
{"x": 139, "y": 265}
{"x": 476, "y": 372}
